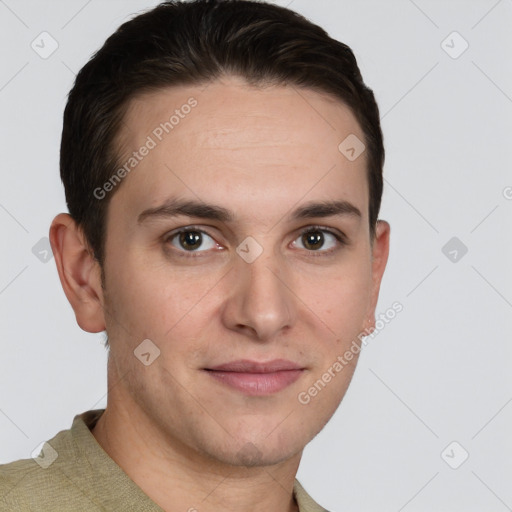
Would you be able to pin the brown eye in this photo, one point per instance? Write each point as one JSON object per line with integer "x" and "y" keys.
{"x": 321, "y": 240}
{"x": 192, "y": 240}
{"x": 313, "y": 240}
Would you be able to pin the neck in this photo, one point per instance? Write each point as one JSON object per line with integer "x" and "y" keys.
{"x": 179, "y": 478}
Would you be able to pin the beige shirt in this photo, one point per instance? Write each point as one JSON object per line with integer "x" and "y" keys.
{"x": 74, "y": 473}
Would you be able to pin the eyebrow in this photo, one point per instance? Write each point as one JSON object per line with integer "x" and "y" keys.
{"x": 326, "y": 209}
{"x": 178, "y": 207}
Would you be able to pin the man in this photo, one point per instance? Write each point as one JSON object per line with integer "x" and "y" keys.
{"x": 222, "y": 163}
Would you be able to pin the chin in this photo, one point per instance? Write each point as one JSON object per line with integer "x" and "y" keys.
{"x": 257, "y": 451}
{"x": 252, "y": 456}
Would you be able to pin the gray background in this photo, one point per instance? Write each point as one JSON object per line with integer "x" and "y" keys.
{"x": 439, "y": 372}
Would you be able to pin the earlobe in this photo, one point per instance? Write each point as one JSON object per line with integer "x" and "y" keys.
{"x": 79, "y": 273}
{"x": 380, "y": 253}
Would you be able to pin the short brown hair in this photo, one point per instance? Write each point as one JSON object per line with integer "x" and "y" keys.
{"x": 190, "y": 43}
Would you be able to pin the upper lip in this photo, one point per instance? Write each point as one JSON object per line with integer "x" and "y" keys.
{"x": 248, "y": 366}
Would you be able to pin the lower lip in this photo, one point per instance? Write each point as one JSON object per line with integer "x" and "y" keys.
{"x": 257, "y": 384}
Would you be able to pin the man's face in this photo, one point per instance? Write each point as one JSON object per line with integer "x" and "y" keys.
{"x": 211, "y": 296}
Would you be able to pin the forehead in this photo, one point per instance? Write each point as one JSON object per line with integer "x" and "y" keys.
{"x": 231, "y": 141}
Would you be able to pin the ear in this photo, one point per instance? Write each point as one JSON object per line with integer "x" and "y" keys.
{"x": 380, "y": 252}
{"x": 79, "y": 273}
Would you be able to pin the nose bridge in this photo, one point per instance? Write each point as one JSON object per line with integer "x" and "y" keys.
{"x": 262, "y": 301}
{"x": 265, "y": 278}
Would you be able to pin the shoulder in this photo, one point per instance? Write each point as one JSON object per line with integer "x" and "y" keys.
{"x": 43, "y": 482}
{"x": 304, "y": 501}
{"x": 14, "y": 473}
{"x": 23, "y": 483}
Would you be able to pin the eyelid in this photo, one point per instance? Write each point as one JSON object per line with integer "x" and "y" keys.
{"x": 169, "y": 236}
{"x": 340, "y": 237}
{"x": 191, "y": 227}
{"x": 334, "y": 232}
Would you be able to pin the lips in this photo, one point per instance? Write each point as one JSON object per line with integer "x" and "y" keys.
{"x": 247, "y": 366}
{"x": 257, "y": 378}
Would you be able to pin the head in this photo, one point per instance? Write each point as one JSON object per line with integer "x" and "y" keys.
{"x": 226, "y": 118}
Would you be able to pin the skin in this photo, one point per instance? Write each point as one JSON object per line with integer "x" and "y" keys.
{"x": 261, "y": 153}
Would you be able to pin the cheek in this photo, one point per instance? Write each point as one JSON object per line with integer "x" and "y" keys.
{"x": 159, "y": 302}
{"x": 340, "y": 299}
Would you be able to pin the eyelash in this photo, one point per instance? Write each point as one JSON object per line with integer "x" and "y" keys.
{"x": 340, "y": 238}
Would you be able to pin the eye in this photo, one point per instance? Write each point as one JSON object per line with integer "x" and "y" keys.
{"x": 316, "y": 238}
{"x": 191, "y": 240}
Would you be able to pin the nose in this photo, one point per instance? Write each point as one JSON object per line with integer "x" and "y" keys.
{"x": 260, "y": 302}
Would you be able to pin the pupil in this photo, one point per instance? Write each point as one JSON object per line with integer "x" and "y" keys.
{"x": 190, "y": 239}
{"x": 313, "y": 240}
